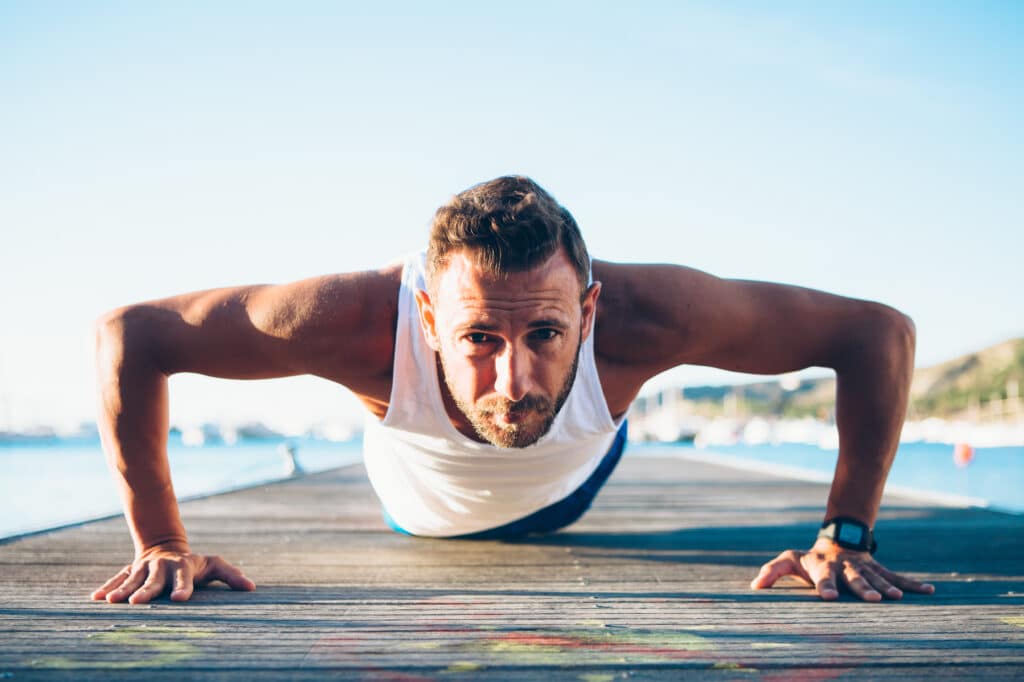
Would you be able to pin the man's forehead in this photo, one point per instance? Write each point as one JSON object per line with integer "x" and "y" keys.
{"x": 464, "y": 283}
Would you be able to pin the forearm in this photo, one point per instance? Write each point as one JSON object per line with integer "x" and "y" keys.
{"x": 873, "y": 387}
{"x": 133, "y": 424}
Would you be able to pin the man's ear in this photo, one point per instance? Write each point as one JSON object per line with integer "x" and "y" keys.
{"x": 589, "y": 307}
{"x": 428, "y": 323}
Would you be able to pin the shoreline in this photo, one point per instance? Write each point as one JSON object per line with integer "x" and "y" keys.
{"x": 5, "y": 539}
{"x": 715, "y": 455}
{"x": 723, "y": 458}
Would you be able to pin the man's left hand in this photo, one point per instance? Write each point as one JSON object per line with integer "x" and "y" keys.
{"x": 828, "y": 567}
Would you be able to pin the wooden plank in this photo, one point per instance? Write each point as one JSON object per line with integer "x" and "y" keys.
{"x": 652, "y": 583}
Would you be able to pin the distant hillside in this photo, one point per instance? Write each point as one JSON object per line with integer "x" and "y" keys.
{"x": 811, "y": 397}
{"x": 949, "y": 388}
{"x": 944, "y": 390}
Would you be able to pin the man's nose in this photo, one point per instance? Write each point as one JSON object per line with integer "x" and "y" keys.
{"x": 513, "y": 373}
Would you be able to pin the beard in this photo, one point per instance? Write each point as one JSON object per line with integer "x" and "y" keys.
{"x": 523, "y": 430}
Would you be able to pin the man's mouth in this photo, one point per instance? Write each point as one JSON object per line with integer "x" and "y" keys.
{"x": 511, "y": 418}
{"x": 511, "y": 414}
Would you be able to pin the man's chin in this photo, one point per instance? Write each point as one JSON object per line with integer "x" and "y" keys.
{"x": 513, "y": 436}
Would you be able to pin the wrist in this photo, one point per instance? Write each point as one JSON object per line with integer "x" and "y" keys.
{"x": 177, "y": 545}
{"x": 848, "y": 533}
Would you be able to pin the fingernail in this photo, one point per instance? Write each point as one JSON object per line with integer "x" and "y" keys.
{"x": 894, "y": 592}
{"x": 872, "y": 595}
{"x": 829, "y": 594}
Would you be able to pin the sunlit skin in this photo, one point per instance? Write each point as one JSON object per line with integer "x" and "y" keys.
{"x": 508, "y": 346}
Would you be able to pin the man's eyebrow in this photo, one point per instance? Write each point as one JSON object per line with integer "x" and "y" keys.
{"x": 484, "y": 326}
{"x": 480, "y": 325}
{"x": 547, "y": 322}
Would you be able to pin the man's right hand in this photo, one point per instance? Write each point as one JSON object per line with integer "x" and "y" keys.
{"x": 160, "y": 569}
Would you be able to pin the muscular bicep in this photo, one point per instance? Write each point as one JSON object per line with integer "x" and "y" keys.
{"x": 672, "y": 315}
{"x": 338, "y": 326}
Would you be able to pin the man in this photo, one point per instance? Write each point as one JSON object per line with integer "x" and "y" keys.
{"x": 498, "y": 371}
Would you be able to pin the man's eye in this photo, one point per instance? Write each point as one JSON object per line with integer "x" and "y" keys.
{"x": 477, "y": 337}
{"x": 545, "y": 334}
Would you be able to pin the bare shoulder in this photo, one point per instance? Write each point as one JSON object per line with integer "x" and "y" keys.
{"x": 645, "y": 314}
{"x": 339, "y": 326}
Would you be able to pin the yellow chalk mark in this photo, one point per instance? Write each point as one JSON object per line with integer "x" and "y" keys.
{"x": 1014, "y": 620}
{"x": 596, "y": 677}
{"x": 770, "y": 645}
{"x": 160, "y": 650}
{"x": 733, "y": 666}
{"x": 525, "y": 653}
{"x": 425, "y": 645}
{"x": 463, "y": 667}
{"x": 562, "y": 647}
{"x": 591, "y": 623}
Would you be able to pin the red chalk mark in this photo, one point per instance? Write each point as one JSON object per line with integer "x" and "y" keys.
{"x": 533, "y": 639}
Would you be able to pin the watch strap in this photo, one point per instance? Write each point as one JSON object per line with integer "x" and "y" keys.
{"x": 849, "y": 533}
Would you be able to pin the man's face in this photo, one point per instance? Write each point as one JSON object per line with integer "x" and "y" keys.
{"x": 508, "y": 345}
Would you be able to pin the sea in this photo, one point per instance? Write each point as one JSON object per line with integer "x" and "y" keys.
{"x": 58, "y": 482}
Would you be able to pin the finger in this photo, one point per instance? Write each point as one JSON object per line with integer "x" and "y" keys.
{"x": 218, "y": 569}
{"x": 903, "y": 582}
{"x": 100, "y": 593}
{"x": 858, "y": 584}
{"x": 787, "y": 563}
{"x": 823, "y": 575}
{"x": 133, "y": 582}
{"x": 182, "y": 590}
{"x": 154, "y": 585}
{"x": 880, "y": 583}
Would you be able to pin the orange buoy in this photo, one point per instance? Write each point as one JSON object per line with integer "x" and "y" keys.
{"x": 962, "y": 454}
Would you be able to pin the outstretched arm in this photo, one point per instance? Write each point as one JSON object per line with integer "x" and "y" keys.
{"x": 339, "y": 327}
{"x": 683, "y": 316}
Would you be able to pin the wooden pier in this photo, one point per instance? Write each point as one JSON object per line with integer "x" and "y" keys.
{"x": 651, "y": 584}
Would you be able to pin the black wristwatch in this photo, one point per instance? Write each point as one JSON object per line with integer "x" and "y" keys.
{"x": 849, "y": 533}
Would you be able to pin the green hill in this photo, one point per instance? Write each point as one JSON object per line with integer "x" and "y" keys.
{"x": 949, "y": 388}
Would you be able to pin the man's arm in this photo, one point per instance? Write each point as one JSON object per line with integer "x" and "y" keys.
{"x": 657, "y": 317}
{"x": 340, "y": 327}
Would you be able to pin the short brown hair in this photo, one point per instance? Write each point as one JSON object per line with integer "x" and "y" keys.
{"x": 510, "y": 224}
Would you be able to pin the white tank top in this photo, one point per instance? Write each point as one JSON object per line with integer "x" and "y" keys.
{"x": 434, "y": 481}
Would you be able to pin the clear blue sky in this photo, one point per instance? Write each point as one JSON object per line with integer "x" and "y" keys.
{"x": 872, "y": 149}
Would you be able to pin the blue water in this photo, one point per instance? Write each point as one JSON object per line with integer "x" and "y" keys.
{"x": 52, "y": 483}
{"x": 44, "y": 485}
{"x": 994, "y": 478}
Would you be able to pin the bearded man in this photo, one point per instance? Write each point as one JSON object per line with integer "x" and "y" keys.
{"x": 497, "y": 369}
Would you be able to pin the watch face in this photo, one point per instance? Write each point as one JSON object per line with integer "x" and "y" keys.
{"x": 850, "y": 533}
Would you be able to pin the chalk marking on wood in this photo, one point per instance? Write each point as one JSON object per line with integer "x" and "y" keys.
{"x": 158, "y": 651}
